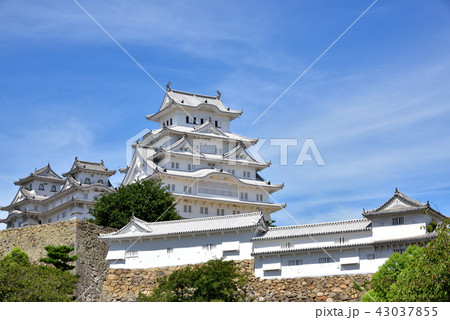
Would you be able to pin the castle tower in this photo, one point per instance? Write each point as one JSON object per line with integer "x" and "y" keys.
{"x": 204, "y": 164}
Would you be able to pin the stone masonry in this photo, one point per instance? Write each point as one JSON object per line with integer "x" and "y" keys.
{"x": 91, "y": 264}
{"x": 125, "y": 285}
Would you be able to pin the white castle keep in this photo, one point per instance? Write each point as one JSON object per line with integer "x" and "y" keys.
{"x": 45, "y": 197}
{"x": 218, "y": 189}
{"x": 205, "y": 165}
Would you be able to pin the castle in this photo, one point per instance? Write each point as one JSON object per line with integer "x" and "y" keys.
{"x": 218, "y": 189}
{"x": 205, "y": 165}
{"x": 46, "y": 197}
{"x": 224, "y": 201}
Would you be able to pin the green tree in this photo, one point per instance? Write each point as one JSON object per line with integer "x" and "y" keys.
{"x": 419, "y": 274}
{"x": 59, "y": 256}
{"x": 147, "y": 200}
{"x": 21, "y": 281}
{"x": 216, "y": 280}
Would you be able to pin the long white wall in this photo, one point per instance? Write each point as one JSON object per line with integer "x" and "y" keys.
{"x": 172, "y": 251}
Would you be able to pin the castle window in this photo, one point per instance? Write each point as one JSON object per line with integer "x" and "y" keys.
{"x": 201, "y": 121}
{"x": 398, "y": 250}
{"x": 31, "y": 187}
{"x": 398, "y": 220}
{"x": 371, "y": 256}
{"x": 170, "y": 121}
{"x": 53, "y": 189}
{"x": 209, "y": 247}
{"x": 187, "y": 119}
{"x": 326, "y": 260}
{"x": 189, "y": 167}
{"x": 100, "y": 181}
{"x": 220, "y": 212}
{"x": 295, "y": 262}
{"x": 340, "y": 240}
{"x": 131, "y": 254}
{"x": 41, "y": 187}
{"x": 87, "y": 181}
{"x": 286, "y": 245}
{"x": 169, "y": 250}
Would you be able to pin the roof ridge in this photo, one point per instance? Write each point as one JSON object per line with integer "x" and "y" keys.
{"x": 228, "y": 216}
{"x": 193, "y": 94}
{"x": 317, "y": 224}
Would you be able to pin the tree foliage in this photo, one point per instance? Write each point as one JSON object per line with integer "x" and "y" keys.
{"x": 216, "y": 280}
{"x": 147, "y": 200}
{"x": 59, "y": 256}
{"x": 21, "y": 281}
{"x": 419, "y": 274}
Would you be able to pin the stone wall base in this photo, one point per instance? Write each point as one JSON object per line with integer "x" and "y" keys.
{"x": 125, "y": 285}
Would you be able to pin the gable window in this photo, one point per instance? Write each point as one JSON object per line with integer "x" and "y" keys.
{"x": 295, "y": 262}
{"x": 87, "y": 181}
{"x": 53, "y": 189}
{"x": 41, "y": 187}
{"x": 398, "y": 220}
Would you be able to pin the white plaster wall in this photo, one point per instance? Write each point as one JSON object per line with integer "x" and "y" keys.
{"x": 311, "y": 267}
{"x": 186, "y": 250}
{"x": 414, "y": 225}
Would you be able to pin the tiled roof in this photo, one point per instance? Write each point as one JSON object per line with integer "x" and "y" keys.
{"x": 192, "y": 100}
{"x": 400, "y": 203}
{"x": 188, "y": 226}
{"x": 91, "y": 166}
{"x": 315, "y": 229}
{"x": 317, "y": 246}
{"x": 202, "y": 173}
{"x": 45, "y": 173}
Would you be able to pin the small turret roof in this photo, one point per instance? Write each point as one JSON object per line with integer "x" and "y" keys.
{"x": 79, "y": 165}
{"x": 45, "y": 173}
{"x": 400, "y": 203}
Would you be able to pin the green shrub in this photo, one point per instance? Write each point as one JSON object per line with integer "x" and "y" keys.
{"x": 216, "y": 280}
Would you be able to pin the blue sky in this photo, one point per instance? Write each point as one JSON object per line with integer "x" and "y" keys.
{"x": 376, "y": 105}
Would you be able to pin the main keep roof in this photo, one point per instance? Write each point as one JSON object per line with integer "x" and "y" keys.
{"x": 79, "y": 165}
{"x": 189, "y": 101}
